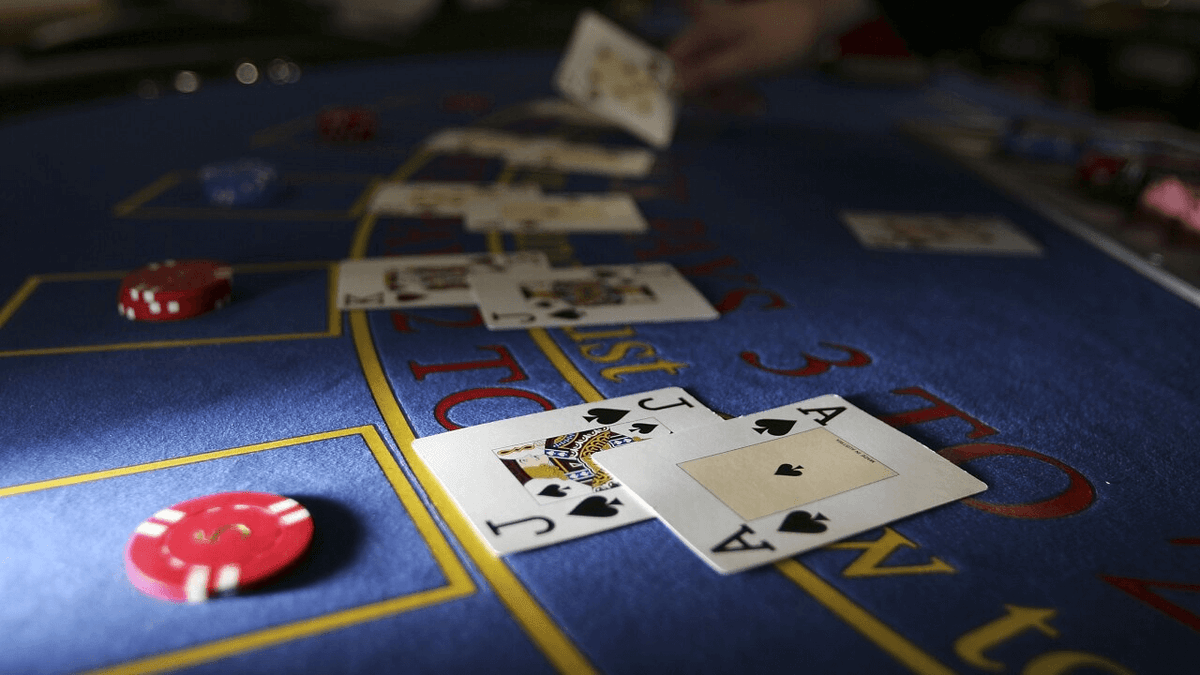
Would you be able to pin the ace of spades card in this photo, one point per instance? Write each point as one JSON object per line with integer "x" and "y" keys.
{"x": 530, "y": 481}
{"x": 524, "y": 297}
{"x": 421, "y": 280}
{"x": 755, "y": 489}
{"x": 620, "y": 78}
{"x": 940, "y": 233}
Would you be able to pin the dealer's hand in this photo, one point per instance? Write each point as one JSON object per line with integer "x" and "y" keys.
{"x": 729, "y": 42}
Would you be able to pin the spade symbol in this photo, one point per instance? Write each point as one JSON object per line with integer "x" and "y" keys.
{"x": 774, "y": 427}
{"x": 803, "y": 521}
{"x": 567, "y": 314}
{"x": 789, "y": 470}
{"x": 643, "y": 427}
{"x": 605, "y": 415}
{"x": 596, "y": 507}
{"x": 553, "y": 491}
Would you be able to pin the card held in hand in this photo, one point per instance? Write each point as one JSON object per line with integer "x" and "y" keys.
{"x": 530, "y": 481}
{"x": 752, "y": 490}
{"x": 617, "y": 76}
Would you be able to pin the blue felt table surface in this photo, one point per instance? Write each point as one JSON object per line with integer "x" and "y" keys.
{"x": 1084, "y": 366}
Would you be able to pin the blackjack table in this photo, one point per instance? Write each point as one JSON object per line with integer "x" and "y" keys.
{"x": 1067, "y": 381}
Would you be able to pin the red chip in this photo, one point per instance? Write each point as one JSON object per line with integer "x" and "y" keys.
{"x": 216, "y": 544}
{"x": 347, "y": 124}
{"x": 175, "y": 290}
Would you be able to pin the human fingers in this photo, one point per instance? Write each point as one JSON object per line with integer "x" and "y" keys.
{"x": 707, "y": 31}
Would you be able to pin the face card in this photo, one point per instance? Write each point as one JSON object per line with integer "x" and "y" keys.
{"x": 610, "y": 212}
{"x": 618, "y": 77}
{"x": 586, "y": 296}
{"x": 937, "y": 233}
{"x": 530, "y": 481}
{"x": 752, "y": 490}
{"x": 445, "y": 200}
{"x": 421, "y": 280}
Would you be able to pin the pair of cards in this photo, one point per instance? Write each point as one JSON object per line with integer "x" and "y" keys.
{"x": 741, "y": 492}
{"x": 520, "y": 290}
{"x": 505, "y": 208}
{"x": 940, "y": 233}
{"x": 540, "y": 152}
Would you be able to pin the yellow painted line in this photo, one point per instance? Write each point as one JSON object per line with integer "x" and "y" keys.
{"x": 494, "y": 241}
{"x": 537, "y": 623}
{"x": 562, "y": 363}
{"x": 269, "y": 637}
{"x": 456, "y": 574}
{"x": 362, "y": 236}
{"x": 334, "y": 331}
{"x": 18, "y": 298}
{"x": 411, "y": 165}
{"x": 131, "y": 203}
{"x": 458, "y": 580}
{"x": 879, "y": 633}
{"x": 335, "y": 314}
{"x": 169, "y": 463}
{"x": 360, "y": 204}
{"x": 366, "y": 224}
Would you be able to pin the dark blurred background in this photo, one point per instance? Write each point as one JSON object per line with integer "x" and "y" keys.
{"x": 1134, "y": 59}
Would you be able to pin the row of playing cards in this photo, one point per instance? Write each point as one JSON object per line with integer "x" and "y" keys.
{"x": 520, "y": 290}
{"x": 741, "y": 493}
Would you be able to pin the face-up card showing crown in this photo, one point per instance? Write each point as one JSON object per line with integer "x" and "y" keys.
{"x": 530, "y": 481}
{"x": 588, "y": 296}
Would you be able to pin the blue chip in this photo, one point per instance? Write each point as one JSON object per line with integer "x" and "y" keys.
{"x": 243, "y": 182}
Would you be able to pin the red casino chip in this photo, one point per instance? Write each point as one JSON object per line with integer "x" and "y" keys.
{"x": 347, "y": 124}
{"x": 175, "y": 290}
{"x": 216, "y": 544}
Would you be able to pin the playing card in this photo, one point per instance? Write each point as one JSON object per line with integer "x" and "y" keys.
{"x": 567, "y": 111}
{"x": 608, "y": 212}
{"x": 618, "y": 77}
{"x": 755, "y": 489}
{"x": 475, "y": 141}
{"x": 544, "y": 152}
{"x": 420, "y": 280}
{"x": 530, "y": 481}
{"x": 582, "y": 158}
{"x": 446, "y": 200}
{"x": 938, "y": 233}
{"x": 581, "y": 296}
